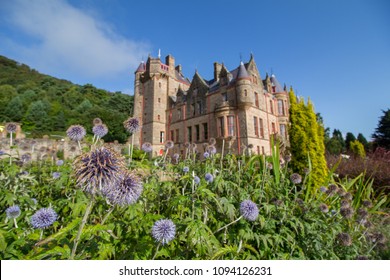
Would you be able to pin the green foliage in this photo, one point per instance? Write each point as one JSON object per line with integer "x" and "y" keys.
{"x": 307, "y": 141}
{"x": 288, "y": 226}
{"x": 44, "y": 104}
{"x": 357, "y": 149}
{"x": 348, "y": 139}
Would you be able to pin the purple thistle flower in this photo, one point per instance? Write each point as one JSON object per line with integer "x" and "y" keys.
{"x": 147, "y": 147}
{"x": 126, "y": 191}
{"x": 346, "y": 212}
{"x": 164, "y": 231}
{"x": 56, "y": 175}
{"x": 206, "y": 155}
{"x": 97, "y": 169}
{"x": 186, "y": 169}
{"x": 169, "y": 144}
{"x": 76, "y": 132}
{"x": 100, "y": 130}
{"x": 43, "y": 218}
{"x": 324, "y": 208}
{"x": 209, "y": 178}
{"x": 25, "y": 158}
{"x": 2, "y": 153}
{"x": 323, "y": 189}
{"x": 97, "y": 121}
{"x": 344, "y": 239}
{"x": 13, "y": 212}
{"x": 176, "y": 157}
{"x": 59, "y": 162}
{"x": 296, "y": 178}
{"x": 11, "y": 127}
{"x": 249, "y": 210}
{"x": 367, "y": 203}
{"x": 196, "y": 180}
{"x": 211, "y": 150}
{"x": 131, "y": 125}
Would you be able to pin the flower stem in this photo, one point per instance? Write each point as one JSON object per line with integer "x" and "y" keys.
{"x": 15, "y": 223}
{"x": 239, "y": 218}
{"x": 155, "y": 254}
{"x": 83, "y": 222}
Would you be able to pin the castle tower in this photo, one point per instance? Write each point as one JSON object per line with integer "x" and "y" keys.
{"x": 155, "y": 82}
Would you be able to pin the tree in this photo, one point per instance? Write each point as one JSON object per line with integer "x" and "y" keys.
{"x": 14, "y": 111}
{"x": 357, "y": 149}
{"x": 348, "y": 139}
{"x": 363, "y": 140}
{"x": 307, "y": 140}
{"x": 36, "y": 116}
{"x": 381, "y": 136}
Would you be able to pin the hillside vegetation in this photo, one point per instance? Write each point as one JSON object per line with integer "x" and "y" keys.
{"x": 48, "y": 105}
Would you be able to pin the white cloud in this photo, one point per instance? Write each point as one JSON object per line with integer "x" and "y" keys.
{"x": 68, "y": 40}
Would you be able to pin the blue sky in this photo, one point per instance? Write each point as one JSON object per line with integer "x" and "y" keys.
{"x": 335, "y": 52}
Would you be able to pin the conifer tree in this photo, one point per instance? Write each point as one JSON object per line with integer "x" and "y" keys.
{"x": 306, "y": 140}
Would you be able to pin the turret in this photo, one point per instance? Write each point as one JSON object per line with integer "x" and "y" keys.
{"x": 244, "y": 92}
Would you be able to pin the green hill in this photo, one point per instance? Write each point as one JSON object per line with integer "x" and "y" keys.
{"x": 47, "y": 105}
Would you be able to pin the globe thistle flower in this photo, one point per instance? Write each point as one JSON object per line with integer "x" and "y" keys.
{"x": 347, "y": 196}
{"x": 211, "y": 150}
{"x": 206, "y": 155}
{"x": 324, "y": 208}
{"x": 186, "y": 169}
{"x": 176, "y": 157}
{"x": 367, "y": 224}
{"x": 13, "y": 212}
{"x": 378, "y": 237}
{"x": 163, "y": 231}
{"x": 332, "y": 189}
{"x": 362, "y": 213}
{"x": 100, "y": 130}
{"x": 147, "y": 147}
{"x": 323, "y": 189}
{"x": 97, "y": 121}
{"x": 344, "y": 203}
{"x": 300, "y": 202}
{"x": 212, "y": 141}
{"x": 341, "y": 192}
{"x": 187, "y": 145}
{"x": 56, "y": 175}
{"x": 97, "y": 169}
{"x": 344, "y": 239}
{"x": 269, "y": 166}
{"x": 209, "y": 178}
{"x": 346, "y": 212}
{"x": 126, "y": 191}
{"x": 2, "y": 152}
{"x": 169, "y": 144}
{"x": 25, "y": 158}
{"x": 59, "y": 162}
{"x": 196, "y": 180}
{"x": 132, "y": 125}
{"x": 43, "y": 218}
{"x": 367, "y": 203}
{"x": 296, "y": 178}
{"x": 249, "y": 210}
{"x": 287, "y": 158}
{"x": 277, "y": 202}
{"x": 76, "y": 132}
{"x": 11, "y": 127}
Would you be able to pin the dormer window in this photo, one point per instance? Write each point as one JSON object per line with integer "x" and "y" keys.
{"x": 224, "y": 97}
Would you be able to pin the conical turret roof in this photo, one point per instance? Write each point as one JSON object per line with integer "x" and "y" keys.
{"x": 276, "y": 84}
{"x": 242, "y": 73}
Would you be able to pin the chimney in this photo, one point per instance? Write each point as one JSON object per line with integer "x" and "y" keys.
{"x": 217, "y": 70}
{"x": 178, "y": 68}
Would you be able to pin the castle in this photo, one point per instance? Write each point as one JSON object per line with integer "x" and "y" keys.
{"x": 237, "y": 107}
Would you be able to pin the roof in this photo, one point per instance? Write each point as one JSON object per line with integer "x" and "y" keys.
{"x": 141, "y": 67}
{"x": 241, "y": 72}
{"x": 276, "y": 84}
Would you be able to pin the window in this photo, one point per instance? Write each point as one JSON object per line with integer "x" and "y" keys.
{"x": 159, "y": 100}
{"x": 177, "y": 136}
{"x": 197, "y": 133}
{"x": 271, "y": 108}
{"x": 189, "y": 134}
{"x": 200, "y": 109}
{"x": 179, "y": 114}
{"x": 255, "y": 126}
{"x": 159, "y": 85}
{"x": 245, "y": 92}
{"x": 193, "y": 109}
{"x": 283, "y": 131}
{"x": 257, "y": 100}
{"x": 158, "y": 117}
{"x": 273, "y": 128}
{"x": 224, "y": 97}
{"x": 261, "y": 128}
{"x": 221, "y": 127}
{"x": 162, "y": 136}
{"x": 262, "y": 150}
{"x": 205, "y": 131}
{"x": 172, "y": 135}
{"x": 280, "y": 107}
{"x": 230, "y": 120}
{"x": 258, "y": 150}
